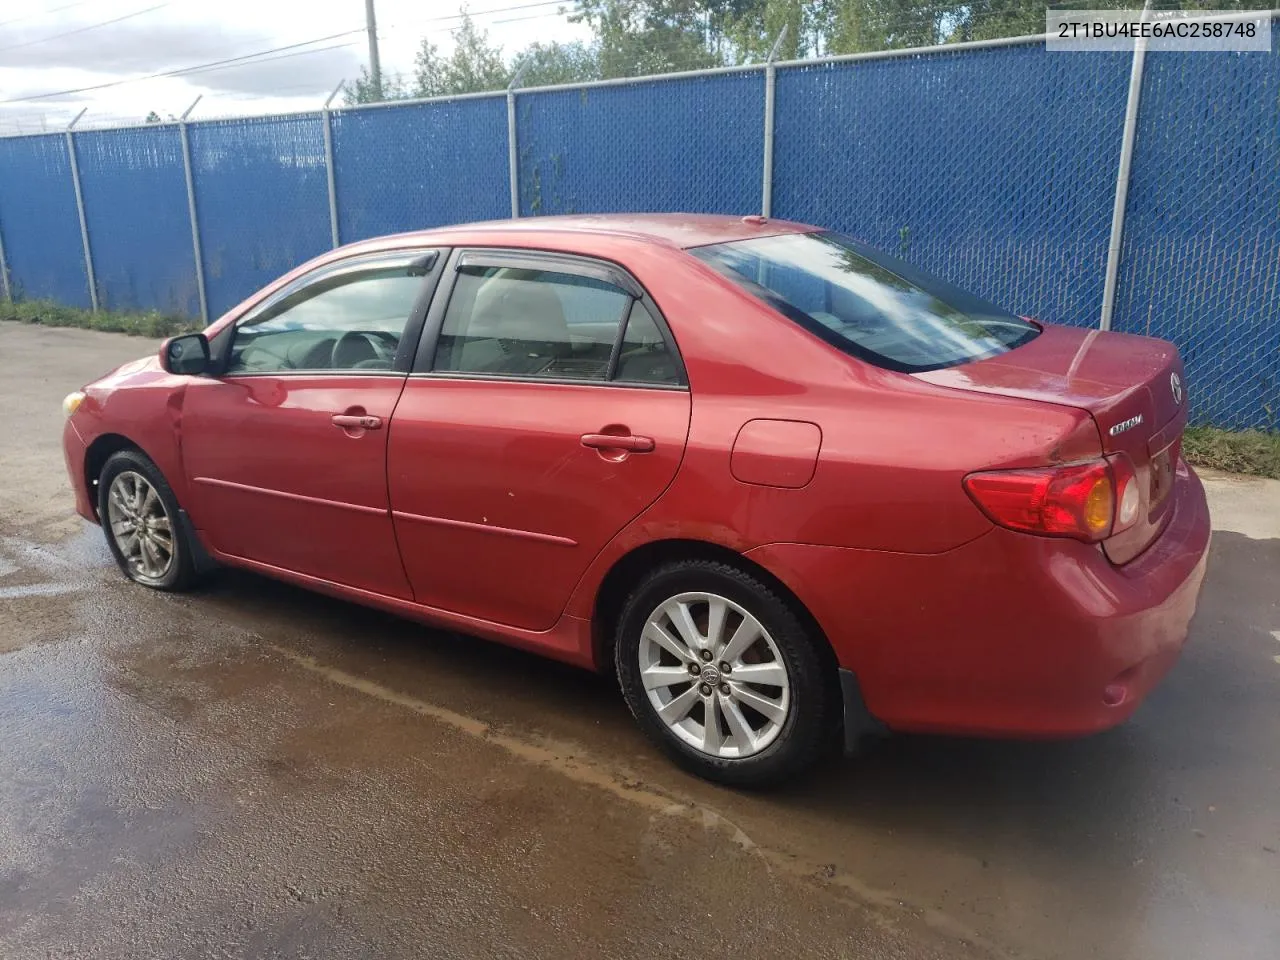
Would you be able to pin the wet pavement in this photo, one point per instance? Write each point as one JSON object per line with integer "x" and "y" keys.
{"x": 254, "y": 771}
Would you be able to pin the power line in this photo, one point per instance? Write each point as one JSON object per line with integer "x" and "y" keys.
{"x": 92, "y": 26}
{"x": 181, "y": 71}
{"x": 473, "y": 14}
{"x": 285, "y": 56}
{"x": 39, "y": 13}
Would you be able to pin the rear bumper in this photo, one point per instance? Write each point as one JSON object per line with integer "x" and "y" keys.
{"x": 1010, "y": 634}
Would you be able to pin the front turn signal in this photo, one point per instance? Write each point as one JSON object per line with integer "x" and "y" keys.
{"x": 71, "y": 403}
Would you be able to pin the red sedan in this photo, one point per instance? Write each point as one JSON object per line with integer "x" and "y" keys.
{"x": 788, "y": 488}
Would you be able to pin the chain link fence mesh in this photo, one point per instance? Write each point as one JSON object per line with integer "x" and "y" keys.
{"x": 262, "y": 199}
{"x": 410, "y": 167}
{"x": 38, "y": 220}
{"x": 994, "y": 168}
{"x": 692, "y": 145}
{"x": 1201, "y": 254}
{"x": 135, "y": 204}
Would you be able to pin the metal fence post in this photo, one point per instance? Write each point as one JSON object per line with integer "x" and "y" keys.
{"x": 1127, "y": 139}
{"x": 4, "y": 268}
{"x": 513, "y": 152}
{"x": 328, "y": 166}
{"x": 770, "y": 84}
{"x": 84, "y": 224}
{"x": 191, "y": 212}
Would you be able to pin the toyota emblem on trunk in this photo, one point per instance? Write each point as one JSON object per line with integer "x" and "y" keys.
{"x": 1175, "y": 384}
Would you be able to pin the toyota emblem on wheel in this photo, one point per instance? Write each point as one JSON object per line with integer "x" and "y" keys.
{"x": 1175, "y": 384}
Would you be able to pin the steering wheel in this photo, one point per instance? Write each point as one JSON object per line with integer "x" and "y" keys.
{"x": 357, "y": 346}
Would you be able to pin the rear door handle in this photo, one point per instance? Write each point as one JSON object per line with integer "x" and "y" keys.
{"x": 349, "y": 421}
{"x": 609, "y": 441}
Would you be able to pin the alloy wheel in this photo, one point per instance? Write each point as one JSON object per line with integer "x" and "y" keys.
{"x": 141, "y": 526}
{"x": 714, "y": 675}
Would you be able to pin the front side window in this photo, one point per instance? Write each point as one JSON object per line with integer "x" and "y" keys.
{"x": 866, "y": 303}
{"x": 347, "y": 320}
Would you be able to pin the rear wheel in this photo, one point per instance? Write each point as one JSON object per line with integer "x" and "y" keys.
{"x": 140, "y": 517}
{"x": 722, "y": 673}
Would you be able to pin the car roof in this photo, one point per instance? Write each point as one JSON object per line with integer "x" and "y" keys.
{"x": 682, "y": 230}
{"x": 670, "y": 230}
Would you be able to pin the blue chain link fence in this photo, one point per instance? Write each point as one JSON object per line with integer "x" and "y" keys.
{"x": 690, "y": 145}
{"x": 1201, "y": 255}
{"x": 135, "y": 204}
{"x": 993, "y": 167}
{"x": 38, "y": 223}
{"x": 262, "y": 200}
{"x": 410, "y": 167}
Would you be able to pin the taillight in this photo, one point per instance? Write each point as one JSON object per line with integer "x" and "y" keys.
{"x": 1088, "y": 501}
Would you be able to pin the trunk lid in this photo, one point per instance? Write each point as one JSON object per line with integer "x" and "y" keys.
{"x": 1134, "y": 388}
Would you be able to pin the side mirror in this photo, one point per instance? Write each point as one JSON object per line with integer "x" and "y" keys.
{"x": 187, "y": 354}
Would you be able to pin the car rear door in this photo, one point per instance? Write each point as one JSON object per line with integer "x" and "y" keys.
{"x": 285, "y": 450}
{"x": 547, "y": 408}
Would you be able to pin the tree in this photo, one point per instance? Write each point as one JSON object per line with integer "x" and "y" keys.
{"x": 549, "y": 63}
{"x": 855, "y": 26}
{"x": 474, "y": 66}
{"x": 154, "y": 117}
{"x": 363, "y": 90}
{"x": 636, "y": 37}
{"x": 753, "y": 28}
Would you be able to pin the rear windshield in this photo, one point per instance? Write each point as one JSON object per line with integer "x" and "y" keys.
{"x": 866, "y": 303}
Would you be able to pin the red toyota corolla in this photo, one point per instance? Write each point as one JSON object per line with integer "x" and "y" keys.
{"x": 789, "y": 488}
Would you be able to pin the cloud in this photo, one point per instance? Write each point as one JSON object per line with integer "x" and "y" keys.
{"x": 288, "y": 76}
{"x": 126, "y": 48}
{"x": 88, "y": 60}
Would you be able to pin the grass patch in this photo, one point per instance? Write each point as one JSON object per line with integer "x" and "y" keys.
{"x": 148, "y": 323}
{"x": 1236, "y": 451}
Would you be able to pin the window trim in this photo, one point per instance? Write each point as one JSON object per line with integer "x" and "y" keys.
{"x": 382, "y": 259}
{"x": 600, "y": 270}
{"x": 557, "y": 262}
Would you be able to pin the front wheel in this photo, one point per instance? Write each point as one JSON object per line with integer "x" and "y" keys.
{"x": 722, "y": 673}
{"x": 140, "y": 517}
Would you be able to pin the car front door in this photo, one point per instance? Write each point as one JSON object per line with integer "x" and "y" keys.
{"x": 546, "y": 410}
{"x": 285, "y": 450}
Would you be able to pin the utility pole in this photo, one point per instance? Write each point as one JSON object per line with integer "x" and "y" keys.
{"x": 375, "y": 65}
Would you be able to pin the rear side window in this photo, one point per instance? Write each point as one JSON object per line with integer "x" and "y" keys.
{"x": 867, "y": 304}
{"x": 645, "y": 356}
{"x": 530, "y": 323}
{"x": 527, "y": 323}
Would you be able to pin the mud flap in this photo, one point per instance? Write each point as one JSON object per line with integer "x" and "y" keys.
{"x": 200, "y": 558}
{"x": 860, "y": 727}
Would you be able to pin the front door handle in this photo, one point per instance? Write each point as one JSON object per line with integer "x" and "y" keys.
{"x": 609, "y": 441}
{"x": 349, "y": 421}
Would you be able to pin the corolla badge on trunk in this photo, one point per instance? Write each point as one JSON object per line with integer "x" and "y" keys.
{"x": 1175, "y": 384}
{"x": 1124, "y": 425}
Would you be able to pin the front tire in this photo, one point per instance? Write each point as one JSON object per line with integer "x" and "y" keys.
{"x": 722, "y": 673}
{"x": 141, "y": 519}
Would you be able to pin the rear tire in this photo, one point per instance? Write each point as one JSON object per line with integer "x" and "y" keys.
{"x": 764, "y": 719}
{"x": 143, "y": 523}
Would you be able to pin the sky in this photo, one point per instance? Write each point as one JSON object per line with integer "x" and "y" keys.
{"x": 56, "y": 46}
